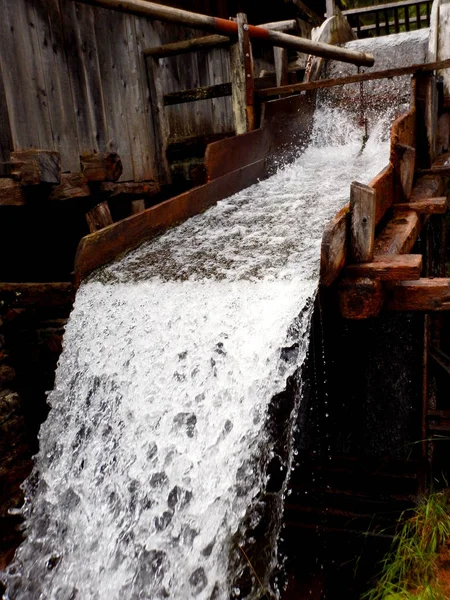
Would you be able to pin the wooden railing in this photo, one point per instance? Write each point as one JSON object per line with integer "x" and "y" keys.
{"x": 392, "y": 17}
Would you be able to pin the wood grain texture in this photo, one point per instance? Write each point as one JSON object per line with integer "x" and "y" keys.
{"x": 388, "y": 267}
{"x": 404, "y": 161}
{"x": 427, "y": 206}
{"x": 362, "y": 222}
{"x": 361, "y": 298}
{"x": 101, "y": 166}
{"x": 33, "y": 167}
{"x": 427, "y": 186}
{"x": 11, "y": 193}
{"x": 73, "y": 185}
{"x": 334, "y": 247}
{"x": 105, "y": 245}
{"x": 383, "y": 184}
{"x": 423, "y": 295}
{"x": 99, "y": 217}
{"x": 399, "y": 235}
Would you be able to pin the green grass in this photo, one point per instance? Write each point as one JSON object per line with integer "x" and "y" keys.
{"x": 409, "y": 570}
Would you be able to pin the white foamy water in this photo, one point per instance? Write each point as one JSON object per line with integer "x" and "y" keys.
{"x": 155, "y": 446}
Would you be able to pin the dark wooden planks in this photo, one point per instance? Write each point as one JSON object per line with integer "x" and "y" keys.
{"x": 105, "y": 245}
{"x": 426, "y": 206}
{"x": 388, "y": 267}
{"x": 424, "y": 295}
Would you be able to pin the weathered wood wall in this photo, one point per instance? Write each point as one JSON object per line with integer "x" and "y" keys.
{"x": 73, "y": 79}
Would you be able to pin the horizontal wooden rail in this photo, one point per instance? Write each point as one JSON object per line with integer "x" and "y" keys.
{"x": 387, "y": 17}
{"x": 297, "y": 88}
{"x": 380, "y": 7}
{"x": 203, "y": 93}
{"x": 175, "y": 48}
{"x": 230, "y": 28}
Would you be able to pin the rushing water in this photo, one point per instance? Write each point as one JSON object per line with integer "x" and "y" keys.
{"x": 156, "y": 445}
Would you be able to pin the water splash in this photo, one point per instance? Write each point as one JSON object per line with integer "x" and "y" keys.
{"x": 156, "y": 445}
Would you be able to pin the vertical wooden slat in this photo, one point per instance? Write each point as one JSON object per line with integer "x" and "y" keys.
{"x": 418, "y": 24}
{"x": 159, "y": 118}
{"x": 82, "y": 56}
{"x": 281, "y": 66}
{"x": 242, "y": 79}
{"x": 362, "y": 222}
{"x": 386, "y": 18}
{"x": 57, "y": 83}
{"x": 407, "y": 26}
{"x": 396, "y": 20}
{"x": 377, "y": 22}
{"x": 5, "y": 130}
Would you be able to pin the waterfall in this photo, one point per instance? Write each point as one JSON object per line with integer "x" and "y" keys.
{"x": 156, "y": 445}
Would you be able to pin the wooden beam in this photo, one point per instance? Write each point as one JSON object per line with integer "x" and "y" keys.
{"x": 297, "y": 88}
{"x": 427, "y": 186}
{"x": 427, "y": 206}
{"x": 101, "y": 166}
{"x": 176, "y": 48}
{"x": 362, "y": 222}
{"x": 399, "y": 235}
{"x": 11, "y": 193}
{"x": 280, "y": 58}
{"x": 425, "y": 295}
{"x": 383, "y": 185}
{"x": 441, "y": 166}
{"x": 129, "y": 188}
{"x": 380, "y": 7}
{"x": 361, "y": 298}
{"x": 388, "y": 267}
{"x": 404, "y": 160}
{"x": 194, "y": 95}
{"x": 105, "y": 245}
{"x": 99, "y": 217}
{"x": 73, "y": 185}
{"x": 334, "y": 247}
{"x": 242, "y": 79}
{"x": 33, "y": 167}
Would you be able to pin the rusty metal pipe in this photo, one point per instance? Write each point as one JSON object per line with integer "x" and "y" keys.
{"x": 230, "y": 28}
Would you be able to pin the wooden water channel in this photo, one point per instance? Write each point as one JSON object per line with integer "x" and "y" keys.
{"x": 103, "y": 111}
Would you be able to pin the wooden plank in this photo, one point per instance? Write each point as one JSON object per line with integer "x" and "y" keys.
{"x": 383, "y": 185}
{"x": 185, "y": 46}
{"x": 334, "y": 247}
{"x": 441, "y": 166}
{"x": 159, "y": 119}
{"x": 57, "y": 82}
{"x": 388, "y": 267}
{"x": 399, "y": 235}
{"x": 362, "y": 222}
{"x": 33, "y": 167}
{"x": 73, "y": 185}
{"x": 5, "y": 130}
{"x": 37, "y": 295}
{"x": 105, "y": 245}
{"x": 112, "y": 47}
{"x": 230, "y": 154}
{"x": 85, "y": 80}
{"x": 281, "y": 66}
{"x": 427, "y": 112}
{"x": 427, "y": 186}
{"x": 404, "y": 160}
{"x": 362, "y": 298}
{"x": 242, "y": 79}
{"x": 196, "y": 94}
{"x": 424, "y": 295}
{"x": 99, "y": 217}
{"x": 101, "y": 166}
{"x": 297, "y": 88}
{"x": 129, "y": 188}
{"x": 427, "y": 206}
{"x": 11, "y": 193}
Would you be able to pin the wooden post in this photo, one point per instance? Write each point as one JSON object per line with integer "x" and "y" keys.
{"x": 281, "y": 66}
{"x": 427, "y": 116}
{"x": 32, "y": 167}
{"x": 99, "y": 217}
{"x": 242, "y": 79}
{"x": 137, "y": 206}
{"x": 100, "y": 166}
{"x": 160, "y": 124}
{"x": 362, "y": 222}
{"x": 331, "y": 8}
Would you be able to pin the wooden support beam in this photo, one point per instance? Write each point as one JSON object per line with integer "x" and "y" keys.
{"x": 176, "y": 48}
{"x": 360, "y": 298}
{"x": 101, "y": 166}
{"x": 202, "y": 93}
{"x": 383, "y": 185}
{"x": 388, "y": 267}
{"x": 334, "y": 247}
{"x": 33, "y": 167}
{"x": 425, "y": 295}
{"x": 297, "y": 88}
{"x": 427, "y": 206}
{"x": 404, "y": 161}
{"x": 427, "y": 114}
{"x": 427, "y": 186}
{"x": 105, "y": 245}
{"x": 280, "y": 57}
{"x": 73, "y": 185}
{"x": 11, "y": 193}
{"x": 362, "y": 222}
{"x": 242, "y": 79}
{"x": 441, "y": 166}
{"x": 37, "y": 295}
{"x": 399, "y": 235}
{"x": 99, "y": 217}
{"x": 129, "y": 188}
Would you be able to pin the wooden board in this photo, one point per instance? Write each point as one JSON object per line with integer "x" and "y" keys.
{"x": 362, "y": 222}
{"x": 403, "y": 131}
{"x": 428, "y": 186}
{"x": 233, "y": 153}
{"x": 388, "y": 267}
{"x": 361, "y": 298}
{"x": 11, "y": 193}
{"x": 399, "y": 235}
{"x": 427, "y": 206}
{"x": 383, "y": 184}
{"x": 5, "y": 130}
{"x": 334, "y": 247}
{"x": 105, "y": 245}
{"x": 403, "y": 158}
{"x": 424, "y": 295}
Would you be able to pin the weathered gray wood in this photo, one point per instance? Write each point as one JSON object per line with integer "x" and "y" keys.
{"x": 196, "y": 94}
{"x": 427, "y": 107}
{"x": 85, "y": 79}
{"x": 32, "y": 167}
{"x": 11, "y": 193}
{"x": 185, "y": 46}
{"x": 362, "y": 222}
{"x": 334, "y": 247}
{"x": 242, "y": 79}
{"x": 73, "y": 185}
{"x": 159, "y": 118}
{"x": 99, "y": 217}
{"x": 101, "y": 166}
{"x": 58, "y": 93}
{"x": 281, "y": 66}
{"x": 5, "y": 130}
